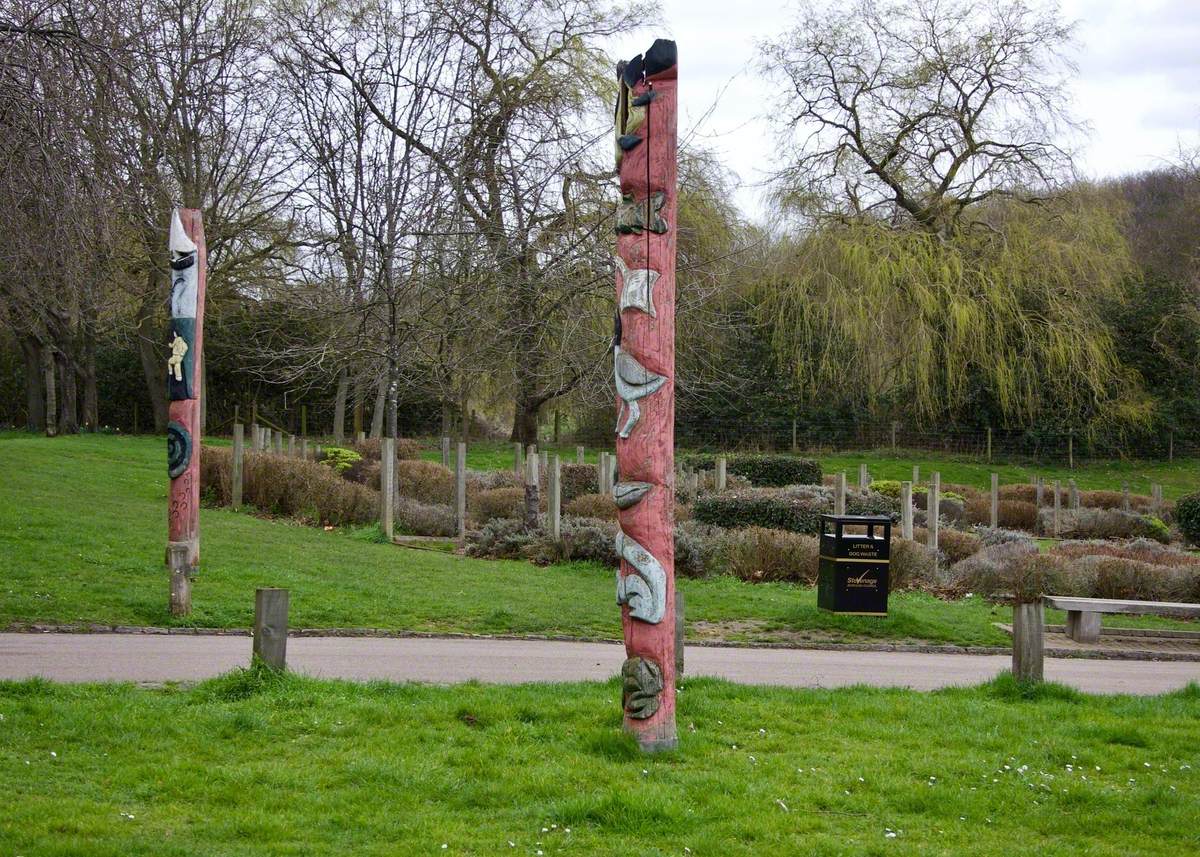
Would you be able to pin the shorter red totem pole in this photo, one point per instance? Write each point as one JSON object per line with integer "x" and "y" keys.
{"x": 644, "y": 357}
{"x": 184, "y": 371}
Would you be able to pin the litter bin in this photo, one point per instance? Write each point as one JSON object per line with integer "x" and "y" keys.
{"x": 853, "y": 576}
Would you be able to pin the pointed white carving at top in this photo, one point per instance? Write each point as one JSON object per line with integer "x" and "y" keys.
{"x": 179, "y": 241}
{"x": 637, "y": 291}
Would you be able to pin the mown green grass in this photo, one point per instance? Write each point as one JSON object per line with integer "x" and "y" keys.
{"x": 498, "y": 455}
{"x": 250, "y": 764}
{"x": 83, "y": 528}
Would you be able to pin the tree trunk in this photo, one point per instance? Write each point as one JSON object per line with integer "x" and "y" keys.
{"x": 35, "y": 385}
{"x": 377, "y": 414}
{"x": 51, "y": 391}
{"x": 525, "y": 422}
{"x": 358, "y": 408}
{"x": 68, "y": 398}
{"x": 464, "y": 405}
{"x": 153, "y": 363}
{"x": 339, "y": 407}
{"x": 91, "y": 395}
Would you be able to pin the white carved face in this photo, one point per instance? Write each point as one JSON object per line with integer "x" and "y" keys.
{"x": 183, "y": 292}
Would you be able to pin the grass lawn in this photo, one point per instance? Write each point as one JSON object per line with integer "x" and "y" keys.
{"x": 251, "y": 764}
{"x": 83, "y": 528}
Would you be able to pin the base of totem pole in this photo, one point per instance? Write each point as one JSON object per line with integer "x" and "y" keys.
{"x": 655, "y": 742}
{"x": 182, "y": 568}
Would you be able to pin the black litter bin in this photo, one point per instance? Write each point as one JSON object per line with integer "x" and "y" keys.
{"x": 853, "y": 575}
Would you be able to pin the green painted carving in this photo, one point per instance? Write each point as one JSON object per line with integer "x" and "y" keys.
{"x": 634, "y": 217}
{"x": 641, "y": 683}
{"x": 179, "y": 449}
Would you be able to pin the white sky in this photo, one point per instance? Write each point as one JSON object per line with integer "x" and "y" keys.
{"x": 1138, "y": 86}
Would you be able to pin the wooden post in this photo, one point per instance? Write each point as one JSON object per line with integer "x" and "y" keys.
{"x": 995, "y": 499}
{"x": 864, "y": 479}
{"x": 722, "y": 477}
{"x": 235, "y": 474}
{"x": 906, "y": 510}
{"x": 678, "y": 635}
{"x": 1125, "y": 497}
{"x": 362, "y": 437}
{"x": 278, "y": 442}
{"x": 184, "y": 373}
{"x": 1028, "y": 656}
{"x": 519, "y": 460}
{"x": 445, "y": 452}
{"x": 580, "y": 455}
{"x": 1156, "y": 499}
{"x": 460, "y": 491}
{"x": 554, "y": 497}
{"x": 531, "y": 488}
{"x": 1038, "y": 491}
{"x": 291, "y": 446}
{"x": 916, "y": 480}
{"x": 839, "y": 494}
{"x": 989, "y": 448}
{"x": 271, "y": 627}
{"x": 544, "y": 462}
{"x": 644, "y": 353}
{"x": 1055, "y": 528}
{"x": 304, "y": 448}
{"x": 933, "y": 504}
{"x": 387, "y": 486}
{"x": 1073, "y": 494}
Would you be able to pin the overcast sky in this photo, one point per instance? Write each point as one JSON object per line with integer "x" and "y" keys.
{"x": 1138, "y": 85}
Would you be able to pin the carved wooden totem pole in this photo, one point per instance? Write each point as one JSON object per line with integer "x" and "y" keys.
{"x": 188, "y": 268}
{"x": 644, "y": 357}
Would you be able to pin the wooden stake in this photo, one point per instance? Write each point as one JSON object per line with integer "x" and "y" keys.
{"x": 995, "y": 499}
{"x": 271, "y": 627}
{"x": 554, "y": 498}
{"x": 1028, "y": 656}
{"x": 387, "y": 486}
{"x": 235, "y": 477}
{"x": 460, "y": 491}
{"x": 906, "y": 510}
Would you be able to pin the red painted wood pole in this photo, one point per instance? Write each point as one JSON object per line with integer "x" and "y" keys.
{"x": 184, "y": 373}
{"x": 644, "y": 351}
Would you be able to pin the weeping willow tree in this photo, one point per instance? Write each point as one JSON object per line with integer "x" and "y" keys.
{"x": 910, "y": 317}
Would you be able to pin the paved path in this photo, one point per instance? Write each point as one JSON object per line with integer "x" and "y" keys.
{"x": 157, "y": 658}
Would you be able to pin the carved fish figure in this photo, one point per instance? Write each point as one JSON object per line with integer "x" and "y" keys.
{"x": 634, "y": 381}
{"x": 645, "y": 591}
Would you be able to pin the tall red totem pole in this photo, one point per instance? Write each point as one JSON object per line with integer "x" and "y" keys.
{"x": 644, "y": 356}
{"x": 184, "y": 373}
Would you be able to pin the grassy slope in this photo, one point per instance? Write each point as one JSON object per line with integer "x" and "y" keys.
{"x": 1179, "y": 477}
{"x": 252, "y": 766}
{"x": 82, "y": 531}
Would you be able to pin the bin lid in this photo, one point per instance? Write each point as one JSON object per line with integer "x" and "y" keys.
{"x": 857, "y": 519}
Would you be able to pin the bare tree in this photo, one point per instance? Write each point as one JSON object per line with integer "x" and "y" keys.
{"x": 915, "y": 111}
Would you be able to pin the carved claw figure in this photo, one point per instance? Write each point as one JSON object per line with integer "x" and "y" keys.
{"x": 637, "y": 288}
{"x": 634, "y": 381}
{"x": 645, "y": 591}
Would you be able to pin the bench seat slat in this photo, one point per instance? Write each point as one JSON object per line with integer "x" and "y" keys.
{"x": 1117, "y": 605}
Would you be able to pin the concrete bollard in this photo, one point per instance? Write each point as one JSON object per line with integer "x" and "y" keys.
{"x": 271, "y": 627}
{"x": 235, "y": 475}
{"x": 906, "y": 509}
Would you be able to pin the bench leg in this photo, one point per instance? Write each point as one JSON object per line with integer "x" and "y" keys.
{"x": 1083, "y": 626}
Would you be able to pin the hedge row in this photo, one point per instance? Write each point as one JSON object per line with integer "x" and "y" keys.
{"x": 760, "y": 469}
{"x": 797, "y": 511}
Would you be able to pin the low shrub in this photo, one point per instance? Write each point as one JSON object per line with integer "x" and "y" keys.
{"x": 1143, "y": 550}
{"x": 872, "y": 503}
{"x": 490, "y": 480}
{"x": 1103, "y": 524}
{"x": 426, "y": 481}
{"x": 578, "y": 479}
{"x": 503, "y": 538}
{"x": 966, "y": 493}
{"x": 371, "y": 448}
{"x": 757, "y": 554}
{"x": 763, "y": 470}
{"x": 496, "y": 503}
{"x": 590, "y": 540}
{"x": 990, "y": 570}
{"x": 761, "y": 507}
{"x": 696, "y": 549}
{"x": 957, "y": 545}
{"x": 424, "y": 519}
{"x": 1114, "y": 500}
{"x": 887, "y": 487}
{"x": 338, "y": 459}
{"x": 913, "y": 566}
{"x": 593, "y": 506}
{"x": 1012, "y": 514}
{"x": 1187, "y": 517}
{"x": 1119, "y": 577}
{"x": 291, "y": 487}
{"x": 364, "y": 472}
{"x": 999, "y": 536}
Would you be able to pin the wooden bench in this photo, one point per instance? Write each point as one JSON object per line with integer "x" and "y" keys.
{"x": 1083, "y": 614}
